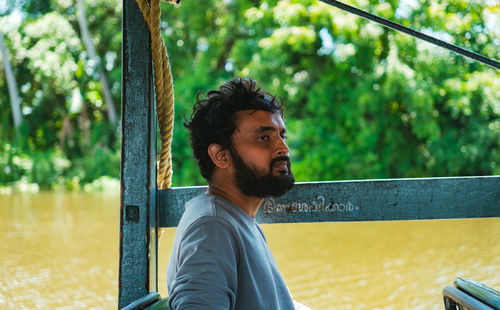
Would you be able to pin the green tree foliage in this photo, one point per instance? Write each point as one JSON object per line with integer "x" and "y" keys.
{"x": 64, "y": 112}
{"x": 362, "y": 101}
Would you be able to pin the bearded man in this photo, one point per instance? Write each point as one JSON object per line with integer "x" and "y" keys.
{"x": 220, "y": 258}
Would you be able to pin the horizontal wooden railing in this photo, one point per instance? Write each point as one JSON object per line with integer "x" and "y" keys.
{"x": 364, "y": 200}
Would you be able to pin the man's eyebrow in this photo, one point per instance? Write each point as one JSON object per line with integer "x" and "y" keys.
{"x": 268, "y": 128}
{"x": 264, "y": 128}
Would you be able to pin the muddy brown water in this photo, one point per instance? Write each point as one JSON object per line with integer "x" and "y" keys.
{"x": 60, "y": 251}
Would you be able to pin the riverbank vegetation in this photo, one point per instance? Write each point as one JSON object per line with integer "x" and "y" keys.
{"x": 362, "y": 101}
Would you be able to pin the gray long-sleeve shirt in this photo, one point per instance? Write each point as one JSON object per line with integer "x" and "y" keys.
{"x": 220, "y": 260}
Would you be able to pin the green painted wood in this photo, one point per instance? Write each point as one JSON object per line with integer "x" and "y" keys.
{"x": 138, "y": 250}
{"x": 365, "y": 200}
{"x": 455, "y": 299}
{"x": 161, "y": 304}
{"x": 479, "y": 291}
{"x": 145, "y": 302}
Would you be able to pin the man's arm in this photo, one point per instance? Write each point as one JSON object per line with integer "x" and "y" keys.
{"x": 206, "y": 277}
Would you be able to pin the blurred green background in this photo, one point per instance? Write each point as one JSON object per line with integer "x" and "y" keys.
{"x": 362, "y": 101}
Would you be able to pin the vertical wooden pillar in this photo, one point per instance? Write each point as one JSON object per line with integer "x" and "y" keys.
{"x": 138, "y": 225}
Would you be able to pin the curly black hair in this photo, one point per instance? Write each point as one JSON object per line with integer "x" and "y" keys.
{"x": 213, "y": 119}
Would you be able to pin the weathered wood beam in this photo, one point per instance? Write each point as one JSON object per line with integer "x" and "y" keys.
{"x": 138, "y": 226}
{"x": 365, "y": 200}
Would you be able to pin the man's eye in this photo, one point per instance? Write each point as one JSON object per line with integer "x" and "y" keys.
{"x": 264, "y": 138}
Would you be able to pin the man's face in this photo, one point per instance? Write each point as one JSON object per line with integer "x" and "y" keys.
{"x": 260, "y": 155}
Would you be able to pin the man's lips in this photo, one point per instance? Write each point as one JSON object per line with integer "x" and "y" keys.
{"x": 282, "y": 164}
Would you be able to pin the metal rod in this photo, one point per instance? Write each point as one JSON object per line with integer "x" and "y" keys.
{"x": 414, "y": 33}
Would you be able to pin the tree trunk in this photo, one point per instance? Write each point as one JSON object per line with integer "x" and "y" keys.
{"x": 15, "y": 101}
{"x": 89, "y": 47}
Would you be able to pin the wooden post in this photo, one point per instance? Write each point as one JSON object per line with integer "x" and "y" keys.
{"x": 138, "y": 226}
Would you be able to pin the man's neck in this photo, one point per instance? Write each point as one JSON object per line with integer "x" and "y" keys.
{"x": 249, "y": 204}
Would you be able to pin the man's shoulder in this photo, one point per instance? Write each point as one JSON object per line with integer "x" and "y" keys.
{"x": 199, "y": 206}
{"x": 207, "y": 208}
{"x": 207, "y": 205}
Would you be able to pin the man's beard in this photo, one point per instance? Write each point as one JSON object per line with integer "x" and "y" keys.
{"x": 252, "y": 181}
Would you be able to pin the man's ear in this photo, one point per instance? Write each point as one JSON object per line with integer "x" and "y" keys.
{"x": 219, "y": 155}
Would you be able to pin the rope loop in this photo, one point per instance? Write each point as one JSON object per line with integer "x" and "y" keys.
{"x": 164, "y": 89}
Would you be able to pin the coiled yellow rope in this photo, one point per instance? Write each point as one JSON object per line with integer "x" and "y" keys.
{"x": 164, "y": 89}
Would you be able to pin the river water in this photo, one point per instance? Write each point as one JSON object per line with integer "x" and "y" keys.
{"x": 60, "y": 251}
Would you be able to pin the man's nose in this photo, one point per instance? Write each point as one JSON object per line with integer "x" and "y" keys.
{"x": 282, "y": 149}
